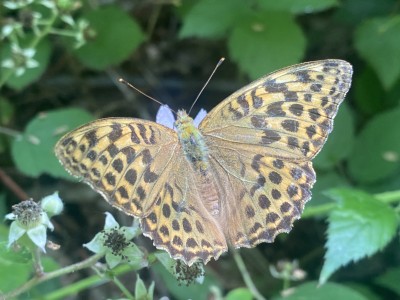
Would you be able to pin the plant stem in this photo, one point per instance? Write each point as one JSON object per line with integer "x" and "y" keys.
{"x": 37, "y": 262}
{"x": 47, "y": 276}
{"x": 246, "y": 276}
{"x": 387, "y": 197}
{"x": 10, "y": 132}
{"x": 94, "y": 280}
{"x": 123, "y": 288}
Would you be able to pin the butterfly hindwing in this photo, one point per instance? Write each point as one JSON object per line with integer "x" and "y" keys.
{"x": 261, "y": 141}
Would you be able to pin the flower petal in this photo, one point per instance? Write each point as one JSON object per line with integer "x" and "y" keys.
{"x": 96, "y": 244}
{"x": 38, "y": 236}
{"x": 110, "y": 222}
{"x": 112, "y": 260}
{"x": 15, "y": 233}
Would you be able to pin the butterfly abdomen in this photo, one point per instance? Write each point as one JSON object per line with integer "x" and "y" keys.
{"x": 192, "y": 142}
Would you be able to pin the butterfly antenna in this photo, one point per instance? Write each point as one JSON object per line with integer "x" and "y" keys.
{"x": 139, "y": 91}
{"x": 208, "y": 80}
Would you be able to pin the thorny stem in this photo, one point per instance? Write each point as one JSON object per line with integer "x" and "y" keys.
{"x": 37, "y": 262}
{"x": 47, "y": 276}
{"x": 13, "y": 186}
{"x": 246, "y": 276}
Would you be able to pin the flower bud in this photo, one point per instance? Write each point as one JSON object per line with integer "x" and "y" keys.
{"x": 52, "y": 204}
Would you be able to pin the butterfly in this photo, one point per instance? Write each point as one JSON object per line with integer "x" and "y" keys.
{"x": 239, "y": 177}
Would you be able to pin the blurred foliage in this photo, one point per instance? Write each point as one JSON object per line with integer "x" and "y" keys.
{"x": 59, "y": 65}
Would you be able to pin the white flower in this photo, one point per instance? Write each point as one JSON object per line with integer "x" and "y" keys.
{"x": 115, "y": 242}
{"x": 28, "y": 217}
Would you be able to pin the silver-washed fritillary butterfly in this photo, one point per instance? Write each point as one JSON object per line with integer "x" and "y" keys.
{"x": 240, "y": 178}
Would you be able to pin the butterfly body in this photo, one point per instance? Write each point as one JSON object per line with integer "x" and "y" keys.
{"x": 241, "y": 177}
{"x": 192, "y": 141}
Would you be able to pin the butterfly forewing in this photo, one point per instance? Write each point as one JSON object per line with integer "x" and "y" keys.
{"x": 287, "y": 114}
{"x": 121, "y": 158}
{"x": 261, "y": 140}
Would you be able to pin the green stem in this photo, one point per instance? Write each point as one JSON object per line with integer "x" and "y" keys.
{"x": 123, "y": 288}
{"x": 47, "y": 276}
{"x": 387, "y": 197}
{"x": 62, "y": 32}
{"x": 94, "y": 280}
{"x": 10, "y": 132}
{"x": 246, "y": 276}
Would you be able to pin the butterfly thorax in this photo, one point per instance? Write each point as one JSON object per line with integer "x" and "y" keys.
{"x": 192, "y": 141}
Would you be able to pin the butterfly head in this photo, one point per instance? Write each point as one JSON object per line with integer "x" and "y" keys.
{"x": 184, "y": 125}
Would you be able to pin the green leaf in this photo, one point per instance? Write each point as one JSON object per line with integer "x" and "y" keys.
{"x": 377, "y": 41}
{"x": 140, "y": 289}
{"x": 13, "y": 275}
{"x": 356, "y": 11}
{"x": 340, "y": 141}
{"x": 298, "y": 6}
{"x": 239, "y": 294}
{"x": 33, "y": 152}
{"x": 9, "y": 256}
{"x": 329, "y": 291}
{"x": 165, "y": 259}
{"x": 390, "y": 280}
{"x": 42, "y": 56}
{"x": 211, "y": 19}
{"x": 116, "y": 36}
{"x": 263, "y": 42}
{"x": 361, "y": 226}
{"x": 376, "y": 152}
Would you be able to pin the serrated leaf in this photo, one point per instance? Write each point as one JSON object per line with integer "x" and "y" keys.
{"x": 326, "y": 181}
{"x": 329, "y": 291}
{"x": 117, "y": 35}
{"x": 340, "y": 141}
{"x": 33, "y": 152}
{"x": 380, "y": 137}
{"x": 41, "y": 56}
{"x": 263, "y": 42}
{"x": 299, "y": 6}
{"x": 390, "y": 280}
{"x": 361, "y": 226}
{"x": 211, "y": 19}
{"x": 377, "y": 41}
